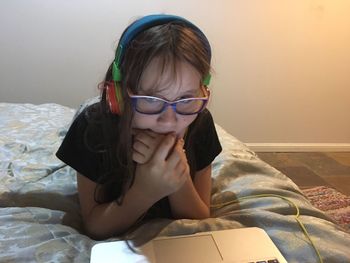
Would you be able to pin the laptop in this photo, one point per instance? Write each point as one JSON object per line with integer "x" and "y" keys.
{"x": 243, "y": 245}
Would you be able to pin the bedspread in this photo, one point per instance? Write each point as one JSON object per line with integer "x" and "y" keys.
{"x": 39, "y": 207}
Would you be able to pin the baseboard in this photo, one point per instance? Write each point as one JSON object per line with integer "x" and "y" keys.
{"x": 299, "y": 147}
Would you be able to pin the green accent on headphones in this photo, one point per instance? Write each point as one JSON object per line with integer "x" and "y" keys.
{"x": 206, "y": 80}
{"x": 116, "y": 74}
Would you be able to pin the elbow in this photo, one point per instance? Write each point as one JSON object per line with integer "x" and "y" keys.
{"x": 94, "y": 232}
{"x": 100, "y": 234}
{"x": 98, "y": 231}
{"x": 204, "y": 214}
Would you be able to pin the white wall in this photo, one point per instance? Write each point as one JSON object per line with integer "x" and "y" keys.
{"x": 281, "y": 67}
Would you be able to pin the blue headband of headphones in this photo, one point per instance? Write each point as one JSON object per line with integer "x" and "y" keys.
{"x": 143, "y": 24}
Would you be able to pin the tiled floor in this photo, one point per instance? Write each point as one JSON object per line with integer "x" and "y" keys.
{"x": 314, "y": 168}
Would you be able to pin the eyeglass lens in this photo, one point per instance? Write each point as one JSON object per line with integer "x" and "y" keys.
{"x": 156, "y": 105}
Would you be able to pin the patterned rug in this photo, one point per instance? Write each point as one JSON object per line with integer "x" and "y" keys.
{"x": 336, "y": 205}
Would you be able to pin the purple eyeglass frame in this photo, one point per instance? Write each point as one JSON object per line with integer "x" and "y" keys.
{"x": 167, "y": 103}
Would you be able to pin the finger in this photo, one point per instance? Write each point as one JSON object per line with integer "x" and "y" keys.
{"x": 138, "y": 157}
{"x": 146, "y": 145}
{"x": 178, "y": 155}
{"x": 181, "y": 167}
{"x": 148, "y": 138}
{"x": 181, "y": 142}
{"x": 140, "y": 146}
{"x": 155, "y": 137}
{"x": 143, "y": 137}
{"x": 165, "y": 147}
{"x": 179, "y": 148}
{"x": 173, "y": 160}
{"x": 182, "y": 173}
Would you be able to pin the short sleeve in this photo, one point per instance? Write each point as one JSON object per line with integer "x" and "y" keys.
{"x": 74, "y": 152}
{"x": 207, "y": 144}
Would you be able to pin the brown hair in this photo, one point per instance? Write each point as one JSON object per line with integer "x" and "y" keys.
{"x": 171, "y": 43}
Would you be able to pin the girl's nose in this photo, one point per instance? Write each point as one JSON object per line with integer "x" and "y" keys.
{"x": 168, "y": 116}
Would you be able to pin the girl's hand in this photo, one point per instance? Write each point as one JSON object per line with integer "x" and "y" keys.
{"x": 166, "y": 171}
{"x": 144, "y": 145}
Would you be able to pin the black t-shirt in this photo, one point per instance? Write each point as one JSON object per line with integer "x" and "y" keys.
{"x": 88, "y": 162}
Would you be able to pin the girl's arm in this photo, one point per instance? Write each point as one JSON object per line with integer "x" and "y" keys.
{"x": 192, "y": 200}
{"x": 104, "y": 220}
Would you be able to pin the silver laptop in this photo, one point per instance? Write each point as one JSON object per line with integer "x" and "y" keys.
{"x": 243, "y": 245}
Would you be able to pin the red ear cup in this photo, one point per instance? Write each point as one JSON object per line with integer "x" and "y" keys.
{"x": 112, "y": 98}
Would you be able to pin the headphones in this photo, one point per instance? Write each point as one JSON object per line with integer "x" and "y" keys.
{"x": 113, "y": 89}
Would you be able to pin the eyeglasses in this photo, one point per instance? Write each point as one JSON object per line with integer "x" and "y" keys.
{"x": 154, "y": 105}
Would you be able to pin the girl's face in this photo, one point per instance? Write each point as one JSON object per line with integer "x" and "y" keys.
{"x": 185, "y": 83}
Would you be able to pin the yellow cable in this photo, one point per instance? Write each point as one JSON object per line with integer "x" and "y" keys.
{"x": 220, "y": 205}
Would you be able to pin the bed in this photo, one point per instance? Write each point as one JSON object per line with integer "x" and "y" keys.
{"x": 39, "y": 207}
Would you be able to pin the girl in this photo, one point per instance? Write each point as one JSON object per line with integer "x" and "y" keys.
{"x": 145, "y": 150}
